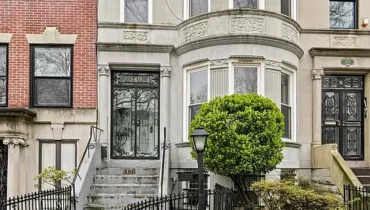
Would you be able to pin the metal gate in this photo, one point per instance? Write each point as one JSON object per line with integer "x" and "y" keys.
{"x": 135, "y": 115}
{"x": 3, "y": 174}
{"x": 342, "y": 114}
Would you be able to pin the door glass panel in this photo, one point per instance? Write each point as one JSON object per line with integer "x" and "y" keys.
{"x": 135, "y": 115}
{"x": 352, "y": 106}
{"x": 330, "y": 110}
{"x": 330, "y": 135}
{"x": 352, "y": 144}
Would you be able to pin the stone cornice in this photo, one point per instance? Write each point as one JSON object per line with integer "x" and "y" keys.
{"x": 247, "y": 57}
{"x": 240, "y": 39}
{"x": 124, "y": 47}
{"x": 135, "y": 66}
{"x": 17, "y": 112}
{"x": 241, "y": 12}
{"x": 335, "y": 31}
{"x": 136, "y": 26}
{"x": 340, "y": 52}
{"x": 195, "y": 62}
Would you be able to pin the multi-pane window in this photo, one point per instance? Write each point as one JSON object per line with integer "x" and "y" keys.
{"x": 286, "y": 107}
{"x": 51, "y": 76}
{"x": 198, "y": 7}
{"x": 198, "y": 87}
{"x": 252, "y": 4}
{"x": 136, "y": 11}
{"x": 3, "y": 75}
{"x": 342, "y": 14}
{"x": 286, "y": 7}
{"x": 245, "y": 80}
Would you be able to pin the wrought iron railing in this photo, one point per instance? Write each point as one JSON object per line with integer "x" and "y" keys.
{"x": 224, "y": 199}
{"x": 53, "y": 199}
{"x": 356, "y": 198}
{"x": 95, "y": 134}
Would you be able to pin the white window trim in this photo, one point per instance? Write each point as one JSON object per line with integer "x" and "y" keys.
{"x": 260, "y": 75}
{"x": 261, "y": 4}
{"x": 293, "y": 103}
{"x": 187, "y": 8}
{"x": 294, "y": 9}
{"x": 150, "y": 11}
{"x": 194, "y": 68}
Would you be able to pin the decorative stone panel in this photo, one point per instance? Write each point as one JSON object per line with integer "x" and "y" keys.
{"x": 289, "y": 33}
{"x": 135, "y": 36}
{"x": 344, "y": 41}
{"x": 247, "y": 25}
{"x": 195, "y": 31}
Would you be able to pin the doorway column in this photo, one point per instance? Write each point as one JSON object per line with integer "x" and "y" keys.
{"x": 316, "y": 106}
{"x": 165, "y": 117}
{"x": 103, "y": 108}
{"x": 14, "y": 169}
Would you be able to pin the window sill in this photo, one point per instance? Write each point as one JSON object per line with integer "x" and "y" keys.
{"x": 291, "y": 144}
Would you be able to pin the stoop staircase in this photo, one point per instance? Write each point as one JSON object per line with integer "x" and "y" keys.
{"x": 363, "y": 175}
{"x": 115, "y": 188}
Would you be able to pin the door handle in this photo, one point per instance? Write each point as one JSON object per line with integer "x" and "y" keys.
{"x": 332, "y": 123}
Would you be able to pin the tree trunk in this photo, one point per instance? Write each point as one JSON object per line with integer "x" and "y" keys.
{"x": 242, "y": 190}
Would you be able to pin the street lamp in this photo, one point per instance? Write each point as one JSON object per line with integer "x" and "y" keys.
{"x": 199, "y": 136}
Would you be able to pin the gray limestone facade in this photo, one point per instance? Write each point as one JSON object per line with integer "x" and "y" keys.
{"x": 158, "y": 61}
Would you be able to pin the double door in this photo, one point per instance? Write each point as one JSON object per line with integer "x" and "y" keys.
{"x": 342, "y": 114}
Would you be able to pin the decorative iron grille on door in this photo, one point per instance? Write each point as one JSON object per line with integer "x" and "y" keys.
{"x": 342, "y": 114}
{"x": 135, "y": 115}
{"x": 3, "y": 174}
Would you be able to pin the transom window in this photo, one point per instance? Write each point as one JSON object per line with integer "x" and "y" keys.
{"x": 286, "y": 107}
{"x": 51, "y": 76}
{"x": 198, "y": 7}
{"x": 342, "y": 14}
{"x": 3, "y": 75}
{"x": 252, "y": 4}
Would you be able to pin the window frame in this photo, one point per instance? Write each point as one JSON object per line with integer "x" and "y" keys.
{"x": 33, "y": 99}
{"x": 261, "y": 4}
{"x": 233, "y": 64}
{"x": 58, "y": 153}
{"x": 6, "y": 74}
{"x": 122, "y": 12}
{"x": 355, "y": 15}
{"x": 187, "y": 9}
{"x": 292, "y": 101}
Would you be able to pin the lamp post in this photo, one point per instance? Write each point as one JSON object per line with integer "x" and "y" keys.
{"x": 199, "y": 136}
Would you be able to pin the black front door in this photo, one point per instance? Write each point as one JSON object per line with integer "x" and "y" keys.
{"x": 342, "y": 114}
{"x": 135, "y": 115}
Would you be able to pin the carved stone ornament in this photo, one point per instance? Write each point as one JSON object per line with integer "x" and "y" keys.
{"x": 247, "y": 25}
{"x": 221, "y": 62}
{"x": 135, "y": 35}
{"x": 344, "y": 41}
{"x": 273, "y": 63}
{"x": 289, "y": 33}
{"x": 166, "y": 71}
{"x": 195, "y": 31}
{"x": 347, "y": 62}
{"x": 317, "y": 74}
{"x": 103, "y": 70}
{"x": 15, "y": 141}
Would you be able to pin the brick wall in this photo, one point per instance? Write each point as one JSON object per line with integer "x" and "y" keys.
{"x": 21, "y": 17}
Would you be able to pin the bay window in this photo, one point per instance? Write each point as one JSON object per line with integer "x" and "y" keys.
{"x": 286, "y": 104}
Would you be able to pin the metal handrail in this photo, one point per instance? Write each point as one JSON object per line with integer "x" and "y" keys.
{"x": 95, "y": 134}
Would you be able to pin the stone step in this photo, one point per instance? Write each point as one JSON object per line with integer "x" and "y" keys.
{"x": 361, "y": 171}
{"x": 104, "y": 207}
{"x": 120, "y": 199}
{"x": 124, "y": 189}
{"x": 127, "y": 171}
{"x": 364, "y": 179}
{"x": 126, "y": 179}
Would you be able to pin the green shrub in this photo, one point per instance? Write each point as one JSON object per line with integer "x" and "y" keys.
{"x": 289, "y": 196}
{"x": 54, "y": 177}
{"x": 245, "y": 136}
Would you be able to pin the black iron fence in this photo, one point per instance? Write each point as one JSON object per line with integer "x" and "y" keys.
{"x": 215, "y": 200}
{"x": 356, "y": 198}
{"x": 53, "y": 199}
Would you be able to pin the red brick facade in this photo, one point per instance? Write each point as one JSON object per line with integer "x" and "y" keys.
{"x": 78, "y": 17}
